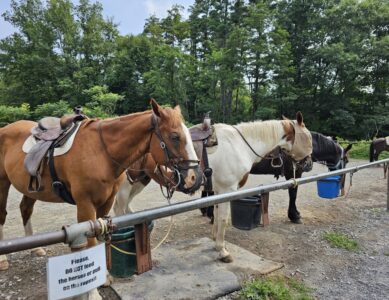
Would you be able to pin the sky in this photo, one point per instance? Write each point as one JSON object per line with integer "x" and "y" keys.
{"x": 130, "y": 15}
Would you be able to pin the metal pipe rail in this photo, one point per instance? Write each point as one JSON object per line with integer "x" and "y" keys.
{"x": 91, "y": 229}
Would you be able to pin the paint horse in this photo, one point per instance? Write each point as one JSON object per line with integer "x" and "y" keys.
{"x": 242, "y": 146}
{"x": 376, "y": 147}
{"x": 325, "y": 151}
{"x": 93, "y": 169}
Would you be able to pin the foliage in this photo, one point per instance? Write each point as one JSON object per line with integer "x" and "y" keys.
{"x": 10, "y": 114}
{"x": 280, "y": 288}
{"x": 361, "y": 149}
{"x": 100, "y": 102}
{"x": 56, "y": 109}
{"x": 339, "y": 240}
{"x": 242, "y": 60}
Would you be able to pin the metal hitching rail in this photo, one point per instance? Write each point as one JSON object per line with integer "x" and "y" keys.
{"x": 91, "y": 229}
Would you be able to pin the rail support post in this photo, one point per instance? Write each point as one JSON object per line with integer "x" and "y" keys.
{"x": 143, "y": 250}
{"x": 387, "y": 194}
{"x": 265, "y": 208}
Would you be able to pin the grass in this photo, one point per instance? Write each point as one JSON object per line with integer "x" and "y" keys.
{"x": 386, "y": 253}
{"x": 275, "y": 288}
{"x": 340, "y": 240}
{"x": 361, "y": 149}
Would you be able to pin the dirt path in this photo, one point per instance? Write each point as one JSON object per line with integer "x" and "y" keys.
{"x": 332, "y": 273}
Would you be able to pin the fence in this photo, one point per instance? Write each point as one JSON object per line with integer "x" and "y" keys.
{"x": 74, "y": 233}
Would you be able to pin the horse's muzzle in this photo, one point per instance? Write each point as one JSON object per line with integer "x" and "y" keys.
{"x": 190, "y": 180}
{"x": 306, "y": 164}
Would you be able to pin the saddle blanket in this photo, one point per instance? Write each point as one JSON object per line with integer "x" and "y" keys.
{"x": 387, "y": 140}
{"x": 31, "y": 141}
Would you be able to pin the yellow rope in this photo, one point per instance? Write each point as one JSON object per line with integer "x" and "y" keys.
{"x": 122, "y": 251}
{"x": 155, "y": 248}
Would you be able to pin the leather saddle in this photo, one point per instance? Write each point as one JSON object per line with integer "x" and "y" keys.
{"x": 51, "y": 132}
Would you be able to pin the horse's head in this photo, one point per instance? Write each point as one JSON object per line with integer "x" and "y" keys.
{"x": 298, "y": 142}
{"x": 171, "y": 146}
{"x": 342, "y": 158}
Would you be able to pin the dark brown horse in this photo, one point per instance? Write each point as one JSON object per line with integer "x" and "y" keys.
{"x": 376, "y": 147}
{"x": 94, "y": 167}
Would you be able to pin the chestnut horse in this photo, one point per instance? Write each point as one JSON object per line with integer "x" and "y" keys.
{"x": 241, "y": 151}
{"x": 94, "y": 167}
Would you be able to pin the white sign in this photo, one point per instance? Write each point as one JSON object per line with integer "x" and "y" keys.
{"x": 76, "y": 273}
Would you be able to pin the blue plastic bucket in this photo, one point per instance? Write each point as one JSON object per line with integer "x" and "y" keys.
{"x": 328, "y": 187}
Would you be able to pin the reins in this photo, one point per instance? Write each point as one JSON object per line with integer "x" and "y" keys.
{"x": 269, "y": 157}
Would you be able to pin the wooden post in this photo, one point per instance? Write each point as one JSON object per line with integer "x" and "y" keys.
{"x": 143, "y": 250}
{"x": 265, "y": 208}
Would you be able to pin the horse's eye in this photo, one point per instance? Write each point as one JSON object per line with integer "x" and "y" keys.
{"x": 175, "y": 137}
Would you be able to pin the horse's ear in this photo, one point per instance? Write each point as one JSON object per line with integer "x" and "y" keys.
{"x": 284, "y": 118}
{"x": 156, "y": 108}
{"x": 177, "y": 108}
{"x": 299, "y": 118}
{"x": 348, "y": 148}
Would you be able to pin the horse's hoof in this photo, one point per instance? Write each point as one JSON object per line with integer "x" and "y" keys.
{"x": 227, "y": 259}
{"x": 108, "y": 281}
{"x": 4, "y": 265}
{"x": 296, "y": 221}
{"x": 38, "y": 252}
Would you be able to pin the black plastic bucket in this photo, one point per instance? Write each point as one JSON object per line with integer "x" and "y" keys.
{"x": 124, "y": 264}
{"x": 246, "y": 212}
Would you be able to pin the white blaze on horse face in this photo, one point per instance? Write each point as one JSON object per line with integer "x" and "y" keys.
{"x": 189, "y": 144}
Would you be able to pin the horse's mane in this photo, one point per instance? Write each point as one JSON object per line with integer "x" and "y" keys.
{"x": 323, "y": 143}
{"x": 261, "y": 130}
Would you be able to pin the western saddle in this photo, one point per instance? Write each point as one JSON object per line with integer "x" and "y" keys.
{"x": 51, "y": 132}
{"x": 204, "y": 136}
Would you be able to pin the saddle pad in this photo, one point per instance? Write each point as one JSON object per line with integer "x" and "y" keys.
{"x": 31, "y": 141}
{"x": 387, "y": 140}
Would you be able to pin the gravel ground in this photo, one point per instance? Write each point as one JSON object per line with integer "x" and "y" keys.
{"x": 332, "y": 273}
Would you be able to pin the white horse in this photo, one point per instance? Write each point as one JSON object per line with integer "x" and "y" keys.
{"x": 238, "y": 148}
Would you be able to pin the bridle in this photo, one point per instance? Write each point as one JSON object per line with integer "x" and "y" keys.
{"x": 173, "y": 162}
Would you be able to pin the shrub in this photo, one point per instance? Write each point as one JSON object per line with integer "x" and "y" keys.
{"x": 55, "y": 109}
{"x": 10, "y": 114}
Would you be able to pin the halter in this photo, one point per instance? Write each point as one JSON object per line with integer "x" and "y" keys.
{"x": 339, "y": 165}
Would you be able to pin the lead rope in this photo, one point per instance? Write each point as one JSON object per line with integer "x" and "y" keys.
{"x": 349, "y": 187}
{"x": 295, "y": 184}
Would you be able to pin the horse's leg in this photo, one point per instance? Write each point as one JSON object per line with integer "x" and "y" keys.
{"x": 293, "y": 214}
{"x": 26, "y": 209}
{"x": 4, "y": 188}
{"x": 125, "y": 195}
{"x": 385, "y": 169}
{"x": 222, "y": 219}
{"x": 215, "y": 221}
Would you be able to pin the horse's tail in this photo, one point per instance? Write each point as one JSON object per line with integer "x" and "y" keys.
{"x": 372, "y": 151}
